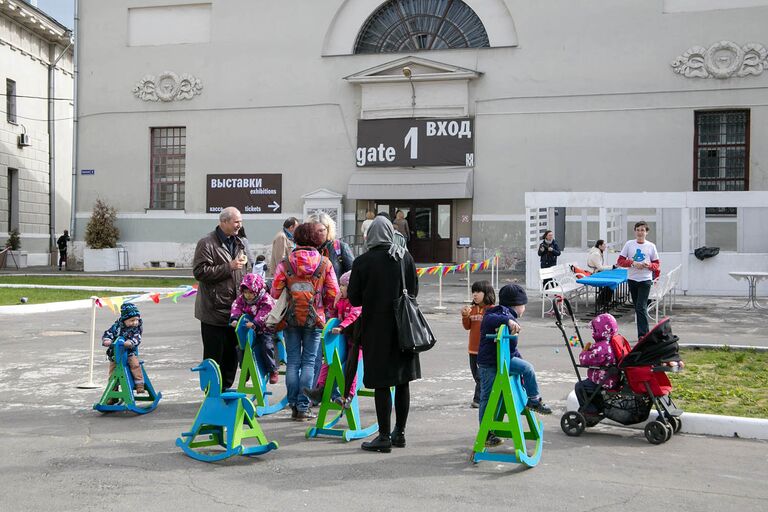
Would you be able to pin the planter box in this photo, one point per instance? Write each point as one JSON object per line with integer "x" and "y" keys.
{"x": 100, "y": 260}
{"x": 20, "y": 258}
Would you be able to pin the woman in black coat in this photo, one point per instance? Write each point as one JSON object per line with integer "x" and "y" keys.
{"x": 374, "y": 284}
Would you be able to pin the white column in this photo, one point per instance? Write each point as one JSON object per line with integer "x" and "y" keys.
{"x": 685, "y": 246}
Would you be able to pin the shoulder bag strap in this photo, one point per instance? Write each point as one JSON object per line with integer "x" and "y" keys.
{"x": 402, "y": 275}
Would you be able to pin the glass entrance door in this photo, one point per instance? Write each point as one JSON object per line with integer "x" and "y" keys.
{"x": 428, "y": 224}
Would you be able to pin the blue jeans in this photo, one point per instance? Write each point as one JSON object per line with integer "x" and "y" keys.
{"x": 639, "y": 290}
{"x": 301, "y": 350}
{"x": 517, "y": 366}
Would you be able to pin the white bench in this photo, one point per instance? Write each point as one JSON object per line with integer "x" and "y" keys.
{"x": 662, "y": 292}
{"x": 563, "y": 284}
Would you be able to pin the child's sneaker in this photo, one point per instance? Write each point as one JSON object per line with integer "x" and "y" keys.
{"x": 140, "y": 389}
{"x": 273, "y": 377}
{"x": 475, "y": 404}
{"x": 535, "y": 404}
{"x": 493, "y": 440}
{"x": 314, "y": 394}
{"x": 344, "y": 403}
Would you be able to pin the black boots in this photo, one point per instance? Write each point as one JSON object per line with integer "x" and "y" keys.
{"x": 398, "y": 438}
{"x": 382, "y": 444}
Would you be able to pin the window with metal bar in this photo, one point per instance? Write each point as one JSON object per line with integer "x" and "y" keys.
{"x": 167, "y": 168}
{"x": 409, "y": 25}
{"x": 10, "y": 100}
{"x": 721, "y": 153}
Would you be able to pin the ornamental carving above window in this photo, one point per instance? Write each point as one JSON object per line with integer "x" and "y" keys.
{"x": 410, "y": 25}
{"x": 723, "y": 59}
{"x": 168, "y": 87}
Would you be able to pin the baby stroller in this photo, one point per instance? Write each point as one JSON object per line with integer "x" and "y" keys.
{"x": 642, "y": 383}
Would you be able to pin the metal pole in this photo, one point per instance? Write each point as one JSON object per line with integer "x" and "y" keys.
{"x": 90, "y": 384}
{"x": 440, "y": 289}
{"x": 469, "y": 283}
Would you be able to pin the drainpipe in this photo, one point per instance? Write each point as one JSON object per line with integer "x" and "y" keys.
{"x": 52, "y": 143}
{"x": 75, "y": 71}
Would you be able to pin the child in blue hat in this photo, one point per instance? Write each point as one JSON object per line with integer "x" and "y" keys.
{"x": 128, "y": 327}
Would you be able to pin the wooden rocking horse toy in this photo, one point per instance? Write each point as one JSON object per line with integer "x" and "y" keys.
{"x": 225, "y": 419}
{"x": 508, "y": 399}
{"x": 119, "y": 393}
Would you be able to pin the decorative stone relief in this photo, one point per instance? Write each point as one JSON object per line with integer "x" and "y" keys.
{"x": 168, "y": 87}
{"x": 723, "y": 59}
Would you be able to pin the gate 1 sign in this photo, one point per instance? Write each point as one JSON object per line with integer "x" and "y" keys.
{"x": 415, "y": 142}
{"x": 249, "y": 193}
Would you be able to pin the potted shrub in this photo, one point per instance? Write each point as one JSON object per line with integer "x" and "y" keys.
{"x": 101, "y": 236}
{"x": 15, "y": 257}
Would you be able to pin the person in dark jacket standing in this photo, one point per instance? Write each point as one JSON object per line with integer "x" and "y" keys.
{"x": 374, "y": 284}
{"x": 219, "y": 264}
{"x": 62, "y": 242}
{"x": 548, "y": 250}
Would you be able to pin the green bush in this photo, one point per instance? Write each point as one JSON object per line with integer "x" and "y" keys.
{"x": 101, "y": 232}
{"x": 14, "y": 240}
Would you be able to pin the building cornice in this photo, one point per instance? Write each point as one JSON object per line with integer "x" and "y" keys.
{"x": 35, "y": 21}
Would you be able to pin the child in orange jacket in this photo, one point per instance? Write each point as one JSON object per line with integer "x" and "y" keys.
{"x": 483, "y": 296}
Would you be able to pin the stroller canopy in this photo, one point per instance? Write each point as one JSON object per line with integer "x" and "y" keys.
{"x": 658, "y": 346}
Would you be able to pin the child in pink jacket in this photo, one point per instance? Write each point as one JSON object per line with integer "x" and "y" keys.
{"x": 599, "y": 353}
{"x": 347, "y": 315}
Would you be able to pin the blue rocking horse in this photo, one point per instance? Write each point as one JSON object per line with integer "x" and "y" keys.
{"x": 509, "y": 399}
{"x": 254, "y": 376}
{"x": 225, "y": 419}
{"x": 119, "y": 395}
{"x": 335, "y": 349}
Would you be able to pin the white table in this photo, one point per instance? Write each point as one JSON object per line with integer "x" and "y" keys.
{"x": 752, "y": 279}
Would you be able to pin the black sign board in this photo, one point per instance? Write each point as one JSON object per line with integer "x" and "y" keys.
{"x": 415, "y": 142}
{"x": 249, "y": 193}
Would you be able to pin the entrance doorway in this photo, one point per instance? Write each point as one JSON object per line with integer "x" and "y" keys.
{"x": 429, "y": 226}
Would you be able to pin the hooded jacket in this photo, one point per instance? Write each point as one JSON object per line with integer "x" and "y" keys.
{"x": 304, "y": 261}
{"x": 596, "y": 261}
{"x": 258, "y": 308}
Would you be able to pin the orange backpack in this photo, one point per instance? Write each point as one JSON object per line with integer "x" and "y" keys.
{"x": 302, "y": 295}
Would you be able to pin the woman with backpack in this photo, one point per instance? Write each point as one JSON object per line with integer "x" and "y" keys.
{"x": 338, "y": 253}
{"x": 309, "y": 282}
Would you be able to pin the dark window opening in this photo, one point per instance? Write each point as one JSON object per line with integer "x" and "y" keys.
{"x": 168, "y": 168}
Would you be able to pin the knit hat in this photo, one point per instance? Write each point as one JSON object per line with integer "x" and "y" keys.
{"x": 604, "y": 327}
{"x": 344, "y": 279}
{"x": 512, "y": 295}
{"x": 128, "y": 310}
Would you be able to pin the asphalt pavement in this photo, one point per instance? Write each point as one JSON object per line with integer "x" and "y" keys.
{"x": 56, "y": 452}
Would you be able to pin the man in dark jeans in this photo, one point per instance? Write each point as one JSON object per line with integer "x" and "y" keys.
{"x": 219, "y": 264}
{"x": 62, "y": 244}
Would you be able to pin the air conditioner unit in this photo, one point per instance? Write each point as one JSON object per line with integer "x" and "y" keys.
{"x": 24, "y": 140}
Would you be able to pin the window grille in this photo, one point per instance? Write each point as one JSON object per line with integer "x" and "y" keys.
{"x": 409, "y": 25}
{"x": 10, "y": 100}
{"x": 721, "y": 153}
{"x": 167, "y": 168}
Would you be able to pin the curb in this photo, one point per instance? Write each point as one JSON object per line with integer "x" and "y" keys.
{"x": 706, "y": 424}
{"x": 49, "y": 307}
{"x": 713, "y": 347}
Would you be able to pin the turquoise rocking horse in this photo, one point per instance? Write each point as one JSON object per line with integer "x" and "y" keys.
{"x": 508, "y": 398}
{"x": 119, "y": 395}
{"x": 254, "y": 376}
{"x": 335, "y": 349}
{"x": 225, "y": 419}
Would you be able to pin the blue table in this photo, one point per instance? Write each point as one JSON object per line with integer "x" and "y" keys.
{"x": 615, "y": 280}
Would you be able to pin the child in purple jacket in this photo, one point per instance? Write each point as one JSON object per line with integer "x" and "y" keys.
{"x": 257, "y": 303}
{"x": 599, "y": 353}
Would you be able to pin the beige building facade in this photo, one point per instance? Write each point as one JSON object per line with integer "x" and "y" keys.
{"x": 36, "y": 69}
{"x": 182, "y": 102}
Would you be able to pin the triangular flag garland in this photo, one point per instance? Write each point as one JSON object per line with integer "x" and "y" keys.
{"x": 444, "y": 270}
{"x": 114, "y": 303}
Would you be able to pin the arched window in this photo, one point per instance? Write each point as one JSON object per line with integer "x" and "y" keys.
{"x": 409, "y": 25}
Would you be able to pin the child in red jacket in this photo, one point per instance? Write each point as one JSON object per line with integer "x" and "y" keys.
{"x": 347, "y": 315}
{"x": 483, "y": 297}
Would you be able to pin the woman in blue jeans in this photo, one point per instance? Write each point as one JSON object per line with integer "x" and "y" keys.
{"x": 312, "y": 288}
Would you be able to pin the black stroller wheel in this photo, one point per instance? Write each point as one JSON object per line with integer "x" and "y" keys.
{"x": 656, "y": 432}
{"x": 573, "y": 423}
{"x": 670, "y": 430}
{"x": 676, "y": 423}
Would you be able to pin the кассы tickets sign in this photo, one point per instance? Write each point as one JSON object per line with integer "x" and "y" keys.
{"x": 415, "y": 142}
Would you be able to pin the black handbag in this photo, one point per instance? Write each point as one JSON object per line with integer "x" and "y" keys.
{"x": 413, "y": 331}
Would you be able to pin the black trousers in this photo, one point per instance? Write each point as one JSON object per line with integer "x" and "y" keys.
{"x": 476, "y": 376}
{"x": 383, "y": 400}
{"x": 62, "y": 258}
{"x": 220, "y": 344}
{"x": 639, "y": 290}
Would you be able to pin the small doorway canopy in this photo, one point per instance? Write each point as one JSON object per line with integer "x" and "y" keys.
{"x": 411, "y": 184}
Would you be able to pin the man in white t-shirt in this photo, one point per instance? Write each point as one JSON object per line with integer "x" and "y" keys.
{"x": 639, "y": 256}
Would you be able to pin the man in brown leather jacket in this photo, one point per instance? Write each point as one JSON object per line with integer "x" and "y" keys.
{"x": 219, "y": 264}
